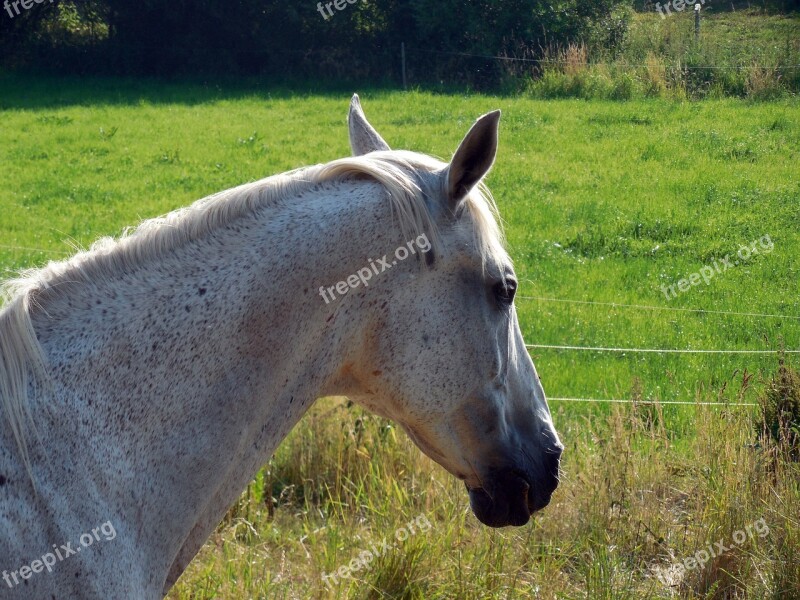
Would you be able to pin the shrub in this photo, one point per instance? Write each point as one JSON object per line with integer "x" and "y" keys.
{"x": 779, "y": 419}
{"x": 763, "y": 83}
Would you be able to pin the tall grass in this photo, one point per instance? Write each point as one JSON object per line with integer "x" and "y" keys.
{"x": 741, "y": 54}
{"x": 634, "y": 502}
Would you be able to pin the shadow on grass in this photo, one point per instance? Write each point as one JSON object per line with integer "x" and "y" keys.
{"x": 32, "y": 92}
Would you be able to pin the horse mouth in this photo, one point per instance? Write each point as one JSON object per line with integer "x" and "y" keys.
{"x": 510, "y": 503}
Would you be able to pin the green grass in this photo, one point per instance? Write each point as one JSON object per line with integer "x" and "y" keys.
{"x": 742, "y": 35}
{"x": 742, "y": 54}
{"x": 602, "y": 201}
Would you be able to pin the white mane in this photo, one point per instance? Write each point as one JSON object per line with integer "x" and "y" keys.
{"x": 408, "y": 178}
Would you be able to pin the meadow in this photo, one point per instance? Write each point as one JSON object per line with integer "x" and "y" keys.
{"x": 602, "y": 202}
{"x": 742, "y": 53}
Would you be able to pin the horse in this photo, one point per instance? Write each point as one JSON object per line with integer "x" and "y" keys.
{"x": 145, "y": 381}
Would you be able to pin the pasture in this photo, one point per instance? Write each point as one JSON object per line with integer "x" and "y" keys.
{"x": 602, "y": 201}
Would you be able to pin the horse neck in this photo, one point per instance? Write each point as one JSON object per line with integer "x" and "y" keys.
{"x": 191, "y": 370}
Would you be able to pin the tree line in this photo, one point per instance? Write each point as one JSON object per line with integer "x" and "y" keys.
{"x": 331, "y": 39}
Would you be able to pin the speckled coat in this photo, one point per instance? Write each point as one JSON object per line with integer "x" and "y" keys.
{"x": 173, "y": 364}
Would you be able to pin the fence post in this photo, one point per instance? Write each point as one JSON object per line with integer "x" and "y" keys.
{"x": 697, "y": 22}
{"x": 403, "y": 60}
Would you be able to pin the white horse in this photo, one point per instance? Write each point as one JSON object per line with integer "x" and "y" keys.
{"x": 145, "y": 381}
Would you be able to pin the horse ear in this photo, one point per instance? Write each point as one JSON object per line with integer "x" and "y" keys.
{"x": 363, "y": 137}
{"x": 473, "y": 159}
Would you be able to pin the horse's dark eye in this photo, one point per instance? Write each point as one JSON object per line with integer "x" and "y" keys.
{"x": 504, "y": 292}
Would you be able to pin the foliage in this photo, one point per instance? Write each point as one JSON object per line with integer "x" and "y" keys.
{"x": 449, "y": 42}
{"x": 744, "y": 54}
{"x": 268, "y": 37}
{"x": 780, "y": 410}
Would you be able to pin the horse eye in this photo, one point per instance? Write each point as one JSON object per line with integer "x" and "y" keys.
{"x": 504, "y": 292}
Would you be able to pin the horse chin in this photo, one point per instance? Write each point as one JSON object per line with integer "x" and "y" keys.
{"x": 510, "y": 504}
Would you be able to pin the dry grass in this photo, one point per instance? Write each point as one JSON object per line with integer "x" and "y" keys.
{"x": 655, "y": 76}
{"x": 661, "y": 58}
{"x": 634, "y": 501}
{"x": 574, "y": 60}
{"x": 763, "y": 82}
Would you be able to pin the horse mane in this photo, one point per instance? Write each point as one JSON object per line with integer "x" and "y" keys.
{"x": 21, "y": 357}
{"x": 408, "y": 177}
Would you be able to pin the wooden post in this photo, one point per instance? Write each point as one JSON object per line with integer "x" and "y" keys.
{"x": 697, "y": 22}
{"x": 403, "y": 60}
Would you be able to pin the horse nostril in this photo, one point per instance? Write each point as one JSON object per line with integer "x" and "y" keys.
{"x": 554, "y": 452}
{"x": 549, "y": 478}
{"x": 552, "y": 460}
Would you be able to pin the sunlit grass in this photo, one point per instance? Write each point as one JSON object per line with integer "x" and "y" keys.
{"x": 602, "y": 201}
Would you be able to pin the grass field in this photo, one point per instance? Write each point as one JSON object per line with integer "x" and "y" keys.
{"x": 743, "y": 53}
{"x": 602, "y": 201}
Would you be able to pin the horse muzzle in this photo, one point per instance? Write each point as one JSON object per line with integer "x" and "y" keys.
{"x": 511, "y": 496}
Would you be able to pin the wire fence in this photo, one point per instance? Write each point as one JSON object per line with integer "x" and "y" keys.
{"x": 694, "y": 70}
{"x": 667, "y": 308}
{"x": 545, "y": 61}
{"x": 648, "y": 402}
{"x": 656, "y": 350}
{"x": 659, "y": 350}
{"x": 562, "y": 347}
{"x": 555, "y": 61}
